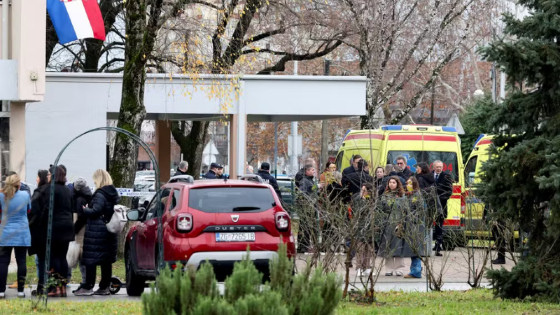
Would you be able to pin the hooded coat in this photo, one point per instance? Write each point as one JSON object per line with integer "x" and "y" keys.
{"x": 425, "y": 180}
{"x": 100, "y": 245}
{"x": 62, "y": 223}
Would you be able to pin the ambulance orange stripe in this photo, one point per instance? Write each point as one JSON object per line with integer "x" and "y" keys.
{"x": 486, "y": 141}
{"x": 363, "y": 136}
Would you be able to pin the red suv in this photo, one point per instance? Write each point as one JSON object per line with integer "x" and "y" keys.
{"x": 207, "y": 220}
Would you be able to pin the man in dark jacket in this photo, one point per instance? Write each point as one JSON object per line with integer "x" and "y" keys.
{"x": 402, "y": 168}
{"x": 308, "y": 229}
{"x": 352, "y": 168}
{"x": 214, "y": 172}
{"x": 353, "y": 182}
{"x": 444, "y": 185}
{"x": 182, "y": 168}
{"x": 264, "y": 173}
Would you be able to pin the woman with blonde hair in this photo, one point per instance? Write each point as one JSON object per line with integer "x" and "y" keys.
{"x": 100, "y": 245}
{"x": 14, "y": 232}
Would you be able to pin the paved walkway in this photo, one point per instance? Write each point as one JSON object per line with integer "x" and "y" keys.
{"x": 453, "y": 266}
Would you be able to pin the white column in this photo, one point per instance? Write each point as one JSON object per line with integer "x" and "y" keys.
{"x": 294, "y": 156}
{"x": 241, "y": 131}
{"x": 17, "y": 138}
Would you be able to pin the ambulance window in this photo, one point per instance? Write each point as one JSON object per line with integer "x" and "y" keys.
{"x": 470, "y": 169}
{"x": 449, "y": 160}
{"x": 412, "y": 158}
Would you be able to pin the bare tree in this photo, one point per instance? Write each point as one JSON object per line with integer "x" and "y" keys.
{"x": 253, "y": 36}
{"x": 404, "y": 46}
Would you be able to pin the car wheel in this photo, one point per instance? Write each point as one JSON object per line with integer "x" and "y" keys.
{"x": 134, "y": 283}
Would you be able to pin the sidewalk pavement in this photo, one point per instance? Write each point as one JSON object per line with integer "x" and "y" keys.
{"x": 453, "y": 265}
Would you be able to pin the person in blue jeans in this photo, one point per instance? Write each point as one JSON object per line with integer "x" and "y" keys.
{"x": 415, "y": 227}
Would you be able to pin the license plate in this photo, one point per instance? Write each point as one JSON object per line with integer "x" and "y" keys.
{"x": 235, "y": 237}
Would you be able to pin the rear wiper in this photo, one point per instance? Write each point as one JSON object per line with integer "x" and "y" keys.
{"x": 245, "y": 208}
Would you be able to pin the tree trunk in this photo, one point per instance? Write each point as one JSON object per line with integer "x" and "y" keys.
{"x": 93, "y": 53}
{"x": 132, "y": 111}
{"x": 191, "y": 144}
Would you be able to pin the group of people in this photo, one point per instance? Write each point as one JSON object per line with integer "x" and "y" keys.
{"x": 77, "y": 215}
{"x": 407, "y": 203}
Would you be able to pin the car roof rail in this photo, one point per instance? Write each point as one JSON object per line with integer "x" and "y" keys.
{"x": 252, "y": 178}
{"x": 181, "y": 179}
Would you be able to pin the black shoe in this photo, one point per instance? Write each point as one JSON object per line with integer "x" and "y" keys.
{"x": 499, "y": 261}
{"x": 438, "y": 254}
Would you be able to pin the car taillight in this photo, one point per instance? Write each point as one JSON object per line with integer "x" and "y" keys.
{"x": 184, "y": 222}
{"x": 282, "y": 221}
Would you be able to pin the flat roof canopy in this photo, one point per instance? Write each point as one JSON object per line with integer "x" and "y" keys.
{"x": 76, "y": 102}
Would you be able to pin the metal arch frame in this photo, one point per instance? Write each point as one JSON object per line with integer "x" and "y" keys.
{"x": 161, "y": 264}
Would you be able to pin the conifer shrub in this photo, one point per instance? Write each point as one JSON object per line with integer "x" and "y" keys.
{"x": 195, "y": 292}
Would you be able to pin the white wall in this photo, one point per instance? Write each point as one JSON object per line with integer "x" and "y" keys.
{"x": 77, "y": 102}
{"x": 68, "y": 110}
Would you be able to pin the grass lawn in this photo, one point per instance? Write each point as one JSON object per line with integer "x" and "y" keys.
{"x": 24, "y": 306}
{"x": 448, "y": 302}
{"x": 118, "y": 270}
{"x": 451, "y": 302}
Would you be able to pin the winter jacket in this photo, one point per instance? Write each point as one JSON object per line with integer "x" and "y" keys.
{"x": 62, "y": 220}
{"x": 444, "y": 185}
{"x": 425, "y": 180}
{"x": 210, "y": 175}
{"x": 100, "y": 245}
{"x": 392, "y": 213}
{"x": 179, "y": 172}
{"x": 354, "y": 181}
{"x": 405, "y": 173}
{"x": 409, "y": 213}
{"x": 15, "y": 227}
{"x": 272, "y": 181}
{"x": 81, "y": 198}
{"x": 24, "y": 187}
{"x": 415, "y": 226}
{"x": 306, "y": 185}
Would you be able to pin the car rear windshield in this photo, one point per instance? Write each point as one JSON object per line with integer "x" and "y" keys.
{"x": 231, "y": 199}
{"x": 449, "y": 160}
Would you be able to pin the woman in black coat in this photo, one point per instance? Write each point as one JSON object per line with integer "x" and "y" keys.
{"x": 62, "y": 231}
{"x": 100, "y": 245}
{"x": 424, "y": 176}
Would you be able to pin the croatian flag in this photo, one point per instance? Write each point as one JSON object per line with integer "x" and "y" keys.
{"x": 76, "y": 19}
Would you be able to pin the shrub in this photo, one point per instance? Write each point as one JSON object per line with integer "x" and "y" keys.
{"x": 195, "y": 292}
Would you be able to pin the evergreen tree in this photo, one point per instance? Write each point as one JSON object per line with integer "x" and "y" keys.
{"x": 473, "y": 121}
{"x": 523, "y": 182}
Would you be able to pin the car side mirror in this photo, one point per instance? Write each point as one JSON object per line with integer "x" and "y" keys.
{"x": 134, "y": 214}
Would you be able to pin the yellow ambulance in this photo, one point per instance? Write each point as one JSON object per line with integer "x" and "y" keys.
{"x": 417, "y": 143}
{"x": 474, "y": 207}
{"x": 473, "y": 217}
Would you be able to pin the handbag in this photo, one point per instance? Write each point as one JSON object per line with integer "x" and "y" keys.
{"x": 73, "y": 254}
{"x": 118, "y": 219}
